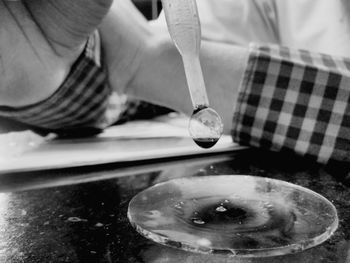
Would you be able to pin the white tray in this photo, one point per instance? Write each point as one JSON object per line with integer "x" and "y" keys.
{"x": 133, "y": 141}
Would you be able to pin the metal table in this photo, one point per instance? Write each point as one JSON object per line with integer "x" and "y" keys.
{"x": 79, "y": 214}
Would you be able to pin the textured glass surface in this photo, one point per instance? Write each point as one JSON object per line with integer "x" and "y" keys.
{"x": 235, "y": 215}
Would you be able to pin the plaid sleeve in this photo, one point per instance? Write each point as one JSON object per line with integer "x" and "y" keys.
{"x": 295, "y": 100}
{"x": 83, "y": 101}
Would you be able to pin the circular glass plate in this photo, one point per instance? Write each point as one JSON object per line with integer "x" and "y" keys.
{"x": 237, "y": 215}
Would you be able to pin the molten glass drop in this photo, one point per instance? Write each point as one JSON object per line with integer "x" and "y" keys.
{"x": 205, "y": 127}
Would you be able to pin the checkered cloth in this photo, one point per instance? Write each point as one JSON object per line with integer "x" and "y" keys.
{"x": 289, "y": 99}
{"x": 295, "y": 100}
{"x": 83, "y": 101}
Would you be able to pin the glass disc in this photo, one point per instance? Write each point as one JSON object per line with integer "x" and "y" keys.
{"x": 236, "y": 215}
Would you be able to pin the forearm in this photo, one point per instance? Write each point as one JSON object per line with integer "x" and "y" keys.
{"x": 277, "y": 99}
{"x": 80, "y": 102}
{"x": 29, "y": 72}
{"x": 125, "y": 36}
{"x": 39, "y": 42}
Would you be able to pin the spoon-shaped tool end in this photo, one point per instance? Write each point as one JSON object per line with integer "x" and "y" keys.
{"x": 182, "y": 18}
{"x": 205, "y": 127}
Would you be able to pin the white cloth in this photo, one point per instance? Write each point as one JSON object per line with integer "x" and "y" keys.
{"x": 317, "y": 25}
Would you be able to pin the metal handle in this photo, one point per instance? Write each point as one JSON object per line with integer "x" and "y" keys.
{"x": 185, "y": 31}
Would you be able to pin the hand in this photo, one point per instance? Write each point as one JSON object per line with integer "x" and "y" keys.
{"x": 39, "y": 41}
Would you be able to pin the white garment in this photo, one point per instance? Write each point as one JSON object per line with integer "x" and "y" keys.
{"x": 316, "y": 25}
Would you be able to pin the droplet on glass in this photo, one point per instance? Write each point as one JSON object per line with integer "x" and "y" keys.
{"x": 221, "y": 209}
{"x": 198, "y": 221}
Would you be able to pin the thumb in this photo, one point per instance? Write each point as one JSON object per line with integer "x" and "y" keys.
{"x": 67, "y": 23}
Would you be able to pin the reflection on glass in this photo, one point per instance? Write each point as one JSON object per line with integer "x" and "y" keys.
{"x": 156, "y": 253}
{"x": 234, "y": 215}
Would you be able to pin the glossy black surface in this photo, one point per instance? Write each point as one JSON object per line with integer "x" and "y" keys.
{"x": 79, "y": 215}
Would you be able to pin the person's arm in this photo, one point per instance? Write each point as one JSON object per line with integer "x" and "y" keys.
{"x": 161, "y": 78}
{"x": 270, "y": 97}
{"x": 79, "y": 102}
{"x": 51, "y": 75}
{"x": 143, "y": 63}
{"x": 84, "y": 100}
{"x": 39, "y": 42}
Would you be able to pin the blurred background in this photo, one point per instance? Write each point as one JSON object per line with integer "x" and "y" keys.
{"x": 150, "y": 8}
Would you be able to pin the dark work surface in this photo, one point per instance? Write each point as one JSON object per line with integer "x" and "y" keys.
{"x": 80, "y": 214}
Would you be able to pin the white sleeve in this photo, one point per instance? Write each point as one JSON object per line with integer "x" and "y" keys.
{"x": 319, "y": 25}
{"x": 235, "y": 21}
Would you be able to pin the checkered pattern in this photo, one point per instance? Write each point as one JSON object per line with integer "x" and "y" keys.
{"x": 84, "y": 100}
{"x": 289, "y": 99}
{"x": 295, "y": 100}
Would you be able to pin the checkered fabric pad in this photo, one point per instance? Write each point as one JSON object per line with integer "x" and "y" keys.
{"x": 295, "y": 100}
{"x": 83, "y": 101}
